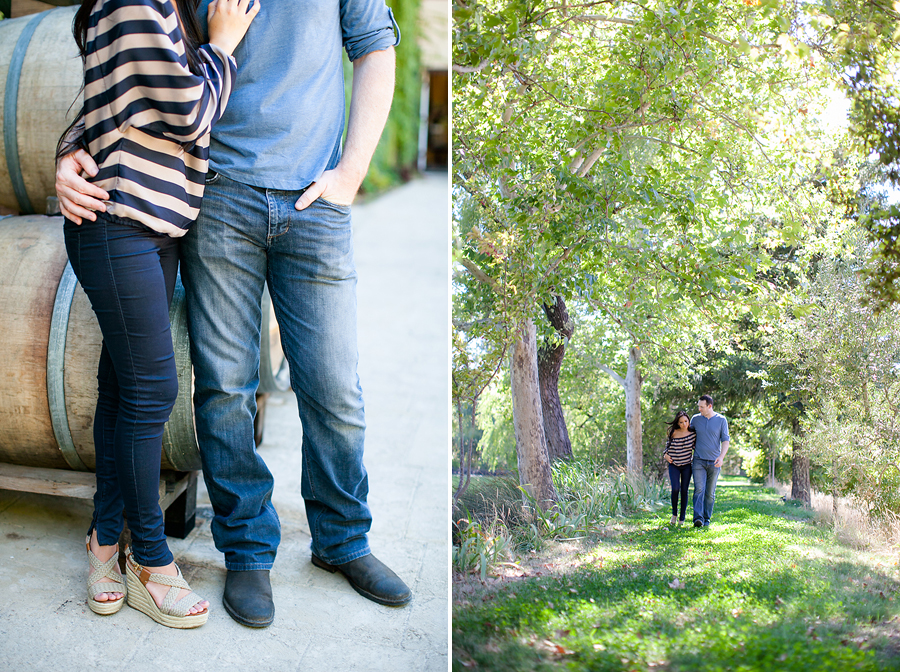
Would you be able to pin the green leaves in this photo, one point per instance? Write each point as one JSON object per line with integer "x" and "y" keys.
{"x": 665, "y": 166}
{"x": 803, "y": 311}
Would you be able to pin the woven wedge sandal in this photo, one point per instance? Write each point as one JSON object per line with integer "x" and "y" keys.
{"x": 171, "y": 613}
{"x": 104, "y": 578}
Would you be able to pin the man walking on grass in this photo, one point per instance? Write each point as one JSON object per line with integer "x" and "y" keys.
{"x": 709, "y": 454}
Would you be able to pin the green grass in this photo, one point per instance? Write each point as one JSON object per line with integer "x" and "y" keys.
{"x": 763, "y": 589}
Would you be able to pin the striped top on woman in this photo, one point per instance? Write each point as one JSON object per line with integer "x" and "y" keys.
{"x": 147, "y": 115}
{"x": 681, "y": 450}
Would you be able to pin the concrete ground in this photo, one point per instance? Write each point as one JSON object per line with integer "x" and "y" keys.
{"x": 320, "y": 622}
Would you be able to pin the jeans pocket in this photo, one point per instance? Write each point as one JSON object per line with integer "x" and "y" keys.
{"x": 335, "y": 206}
{"x": 212, "y": 177}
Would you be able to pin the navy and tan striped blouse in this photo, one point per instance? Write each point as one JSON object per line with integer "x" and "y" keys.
{"x": 681, "y": 450}
{"x": 147, "y": 116}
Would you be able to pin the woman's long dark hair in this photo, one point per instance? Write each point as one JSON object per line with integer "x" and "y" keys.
{"x": 674, "y": 424}
{"x": 186, "y": 11}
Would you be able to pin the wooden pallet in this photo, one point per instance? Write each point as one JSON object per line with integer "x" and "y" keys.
{"x": 177, "y": 490}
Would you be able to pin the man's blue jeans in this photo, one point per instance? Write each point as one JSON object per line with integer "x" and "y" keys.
{"x": 247, "y": 236}
{"x": 705, "y": 477}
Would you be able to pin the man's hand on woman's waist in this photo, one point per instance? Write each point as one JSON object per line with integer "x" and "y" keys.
{"x": 78, "y": 198}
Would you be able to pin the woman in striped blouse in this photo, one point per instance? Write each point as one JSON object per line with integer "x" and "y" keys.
{"x": 679, "y": 453}
{"x": 151, "y": 93}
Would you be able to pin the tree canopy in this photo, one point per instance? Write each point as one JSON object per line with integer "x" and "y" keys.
{"x": 675, "y": 173}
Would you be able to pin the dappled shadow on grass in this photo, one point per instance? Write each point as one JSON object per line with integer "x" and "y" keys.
{"x": 752, "y": 592}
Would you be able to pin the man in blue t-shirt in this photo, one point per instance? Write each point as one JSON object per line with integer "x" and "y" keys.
{"x": 276, "y": 210}
{"x": 709, "y": 454}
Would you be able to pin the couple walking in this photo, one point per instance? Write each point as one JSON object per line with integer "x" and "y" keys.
{"x": 696, "y": 447}
{"x": 262, "y": 198}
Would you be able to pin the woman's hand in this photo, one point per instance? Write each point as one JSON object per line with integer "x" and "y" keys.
{"x": 228, "y": 22}
{"x": 668, "y": 459}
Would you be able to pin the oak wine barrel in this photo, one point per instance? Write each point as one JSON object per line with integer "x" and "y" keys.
{"x": 40, "y": 79}
{"x": 49, "y": 350}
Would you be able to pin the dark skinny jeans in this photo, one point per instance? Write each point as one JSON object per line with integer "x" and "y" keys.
{"x": 128, "y": 273}
{"x": 680, "y": 475}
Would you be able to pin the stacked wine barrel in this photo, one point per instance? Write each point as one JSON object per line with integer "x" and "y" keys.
{"x": 51, "y": 346}
{"x": 41, "y": 71}
{"x": 49, "y": 338}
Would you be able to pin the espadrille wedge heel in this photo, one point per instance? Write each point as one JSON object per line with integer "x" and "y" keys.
{"x": 172, "y": 613}
{"x": 104, "y": 578}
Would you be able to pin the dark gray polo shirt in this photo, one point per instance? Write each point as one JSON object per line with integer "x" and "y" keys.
{"x": 711, "y": 432}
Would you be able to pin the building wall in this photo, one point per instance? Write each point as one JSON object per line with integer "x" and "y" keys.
{"x": 434, "y": 34}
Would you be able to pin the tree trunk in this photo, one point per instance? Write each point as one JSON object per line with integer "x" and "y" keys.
{"x": 800, "y": 488}
{"x": 634, "y": 450}
{"x": 550, "y": 358}
{"x": 466, "y": 453}
{"x": 531, "y": 443}
{"x": 633, "y": 444}
{"x": 834, "y": 495}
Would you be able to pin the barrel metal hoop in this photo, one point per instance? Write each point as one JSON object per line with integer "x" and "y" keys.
{"x": 56, "y": 360}
{"x": 179, "y": 434}
{"x": 10, "y": 105}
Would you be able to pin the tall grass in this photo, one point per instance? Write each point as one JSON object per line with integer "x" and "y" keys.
{"x": 479, "y": 548}
{"x": 597, "y": 493}
{"x": 852, "y": 524}
{"x": 496, "y": 518}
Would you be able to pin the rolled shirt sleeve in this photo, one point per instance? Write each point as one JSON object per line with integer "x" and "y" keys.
{"x": 284, "y": 123}
{"x": 367, "y": 26}
{"x": 723, "y": 433}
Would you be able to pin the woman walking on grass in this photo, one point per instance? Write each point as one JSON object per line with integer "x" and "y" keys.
{"x": 151, "y": 94}
{"x": 679, "y": 453}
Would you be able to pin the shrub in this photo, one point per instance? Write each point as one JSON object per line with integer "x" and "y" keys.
{"x": 494, "y": 516}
